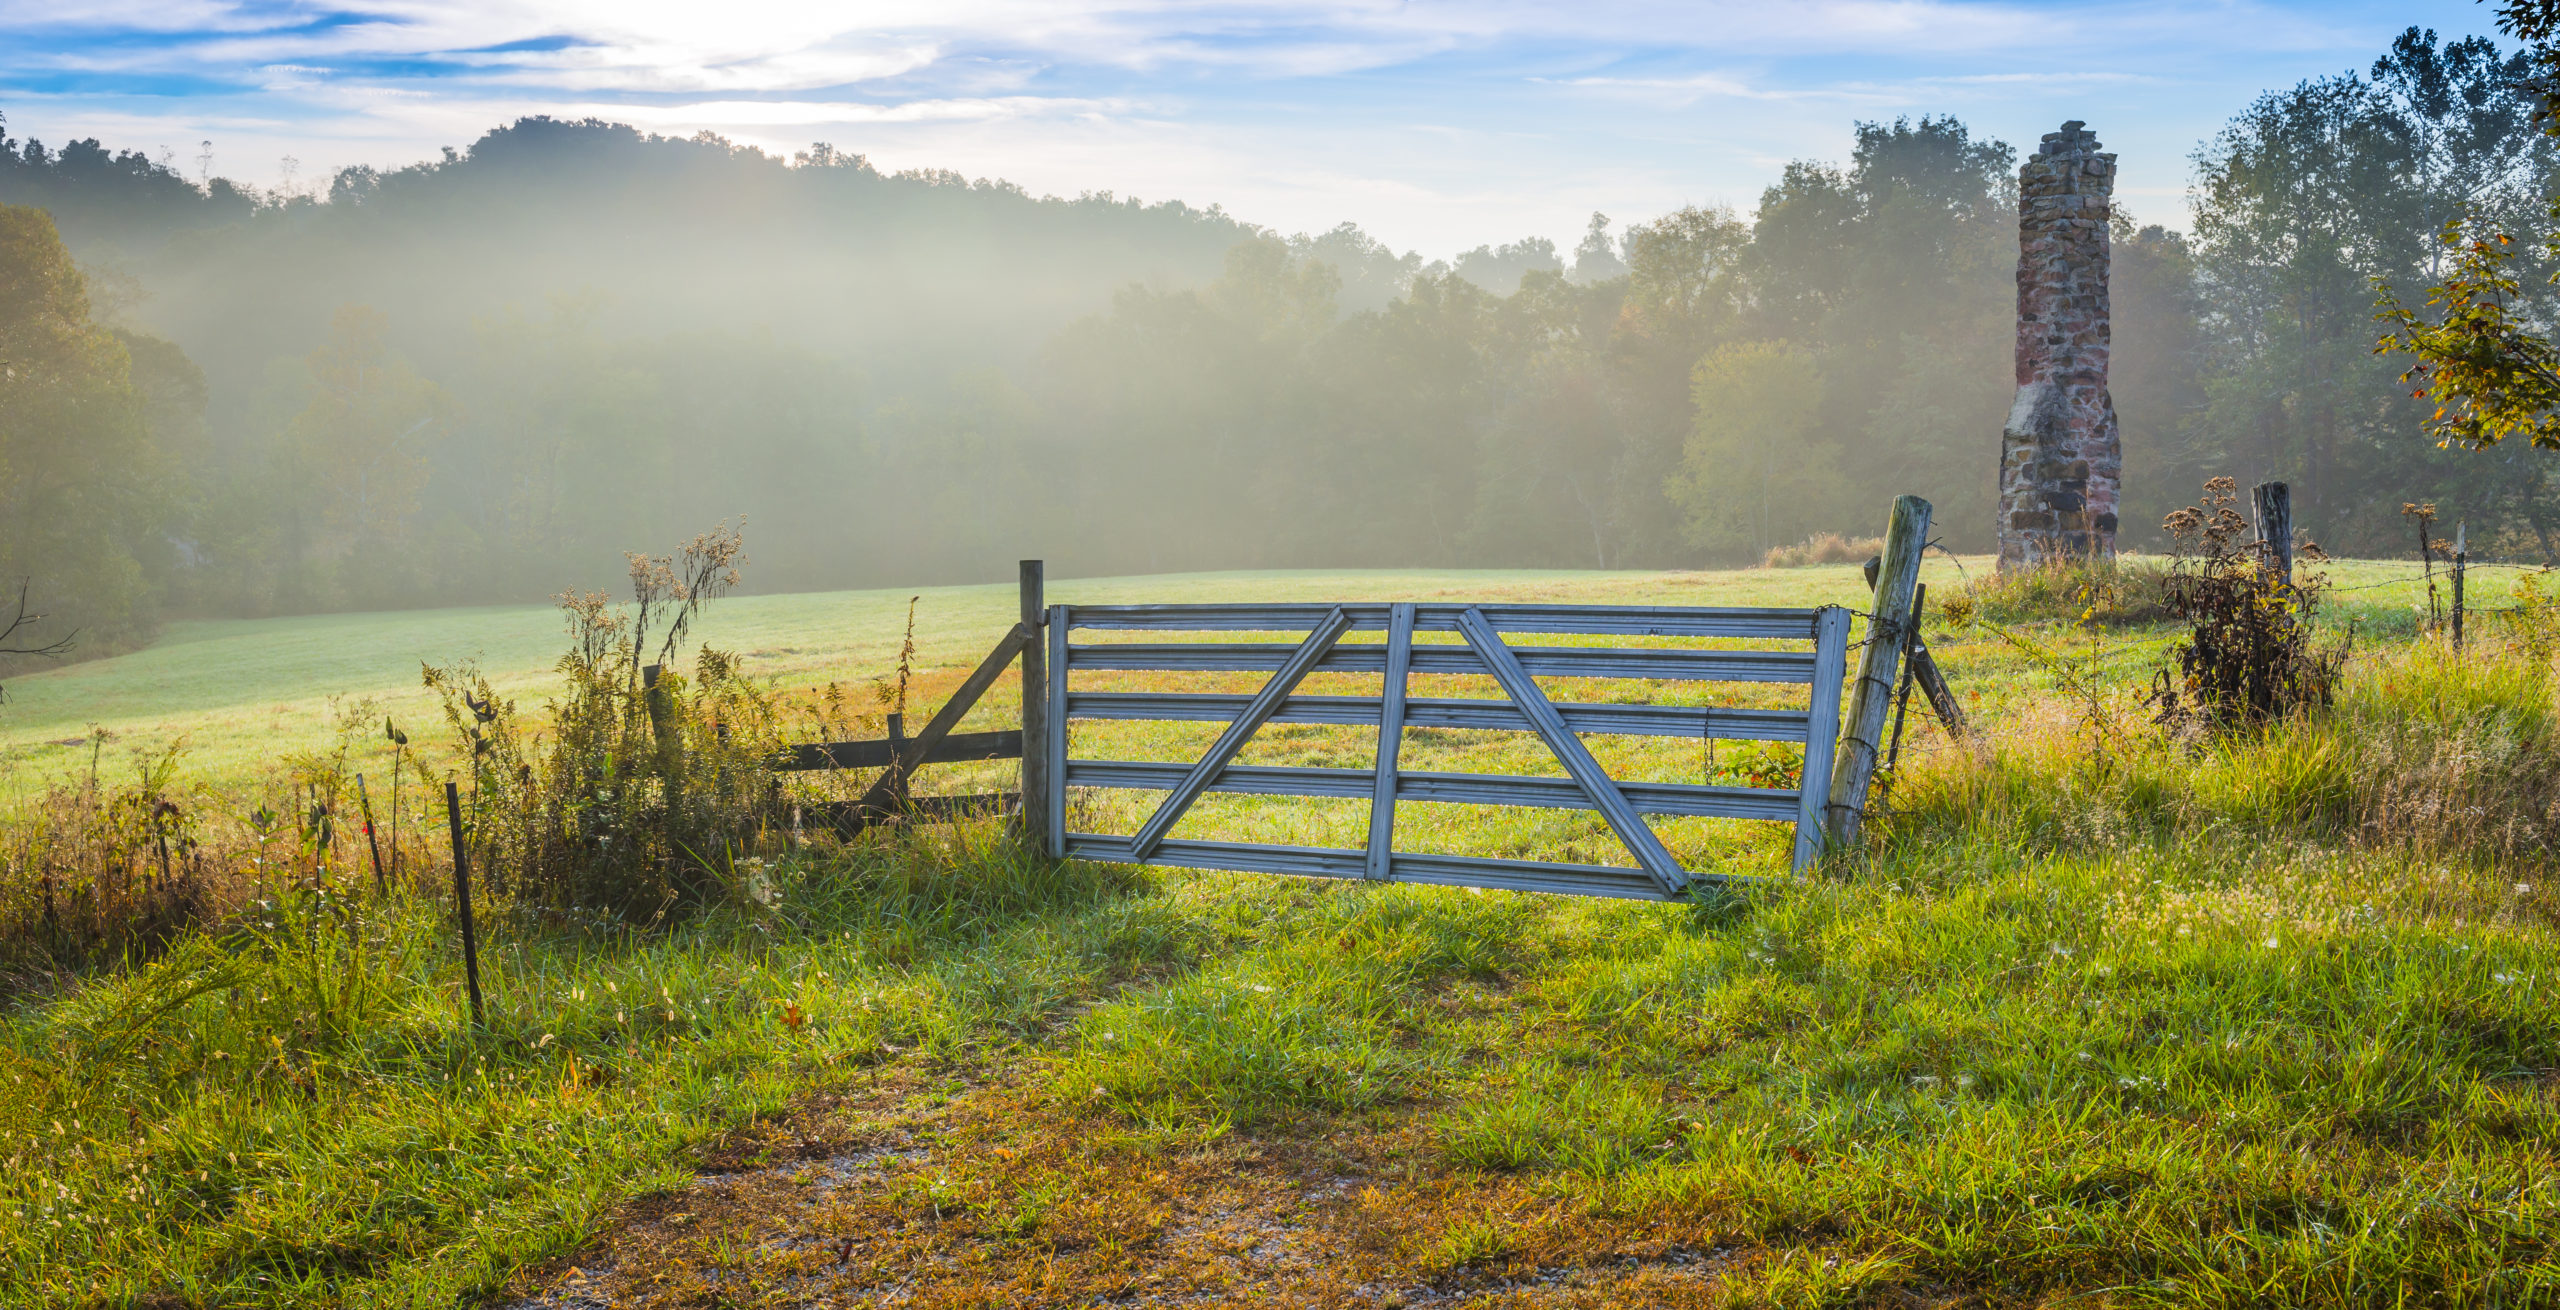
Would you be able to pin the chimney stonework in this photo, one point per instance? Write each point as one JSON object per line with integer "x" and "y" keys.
{"x": 2060, "y": 460}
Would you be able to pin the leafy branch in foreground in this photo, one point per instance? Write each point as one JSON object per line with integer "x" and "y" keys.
{"x": 2491, "y": 369}
{"x": 2491, "y": 374}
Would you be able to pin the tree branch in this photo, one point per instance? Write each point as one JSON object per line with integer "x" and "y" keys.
{"x": 22, "y": 619}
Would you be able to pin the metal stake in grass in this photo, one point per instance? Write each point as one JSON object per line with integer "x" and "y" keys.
{"x": 462, "y": 902}
{"x": 373, "y": 844}
{"x": 399, "y": 752}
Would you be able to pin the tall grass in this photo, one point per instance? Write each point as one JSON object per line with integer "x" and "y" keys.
{"x": 2425, "y": 754}
{"x": 2111, "y": 593}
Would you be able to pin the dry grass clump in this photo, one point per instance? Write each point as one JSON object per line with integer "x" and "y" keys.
{"x": 102, "y": 868}
{"x": 91, "y": 870}
{"x": 2120, "y": 592}
{"x": 1823, "y": 548}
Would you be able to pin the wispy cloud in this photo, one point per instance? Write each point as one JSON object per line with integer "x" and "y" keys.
{"x": 1439, "y": 123}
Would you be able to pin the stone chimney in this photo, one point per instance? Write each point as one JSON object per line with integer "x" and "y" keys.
{"x": 2060, "y": 461}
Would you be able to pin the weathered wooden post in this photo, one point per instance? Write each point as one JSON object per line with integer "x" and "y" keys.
{"x": 1906, "y": 535}
{"x": 2274, "y": 504}
{"x": 2460, "y": 558}
{"x": 900, "y": 764}
{"x": 462, "y": 901}
{"x": 1035, "y": 709}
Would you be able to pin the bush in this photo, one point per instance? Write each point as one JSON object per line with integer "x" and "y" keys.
{"x": 2250, "y": 657}
{"x": 647, "y": 785}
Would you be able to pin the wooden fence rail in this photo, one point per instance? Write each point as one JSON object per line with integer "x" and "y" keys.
{"x": 898, "y": 756}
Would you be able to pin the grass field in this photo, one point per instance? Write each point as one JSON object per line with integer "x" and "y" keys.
{"x": 2103, "y": 1018}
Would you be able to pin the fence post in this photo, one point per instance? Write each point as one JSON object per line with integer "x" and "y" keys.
{"x": 899, "y": 764}
{"x": 2460, "y": 557}
{"x": 2274, "y": 503}
{"x": 1906, "y": 535}
{"x": 462, "y": 902}
{"x": 1035, "y": 710}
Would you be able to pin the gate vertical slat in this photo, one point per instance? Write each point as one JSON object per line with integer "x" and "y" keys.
{"x": 1300, "y": 662}
{"x": 1586, "y": 771}
{"x": 1060, "y": 618}
{"x": 1821, "y": 733}
{"x": 1382, "y": 805}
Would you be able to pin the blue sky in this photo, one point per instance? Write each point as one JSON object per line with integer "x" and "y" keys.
{"x": 1436, "y": 126}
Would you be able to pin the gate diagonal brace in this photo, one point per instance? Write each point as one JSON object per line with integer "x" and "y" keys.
{"x": 1569, "y": 750}
{"x": 1266, "y": 702}
{"x": 883, "y": 796}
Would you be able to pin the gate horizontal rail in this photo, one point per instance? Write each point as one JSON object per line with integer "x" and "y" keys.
{"x": 1362, "y": 711}
{"x": 1484, "y": 653}
{"x": 1335, "y": 862}
{"x": 1592, "y": 620}
{"x": 1674, "y": 798}
{"x": 1540, "y": 661}
{"x": 957, "y": 748}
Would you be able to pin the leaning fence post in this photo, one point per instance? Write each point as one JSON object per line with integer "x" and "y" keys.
{"x": 1906, "y": 535}
{"x": 1035, "y": 709}
{"x": 1910, "y": 671}
{"x": 462, "y": 902}
{"x": 2274, "y": 504}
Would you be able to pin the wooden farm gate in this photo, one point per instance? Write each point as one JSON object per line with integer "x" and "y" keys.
{"x": 1820, "y": 662}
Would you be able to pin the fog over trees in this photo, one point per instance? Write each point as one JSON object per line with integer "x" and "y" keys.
{"x": 480, "y": 377}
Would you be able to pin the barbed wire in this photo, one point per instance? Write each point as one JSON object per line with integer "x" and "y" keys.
{"x": 2421, "y": 578}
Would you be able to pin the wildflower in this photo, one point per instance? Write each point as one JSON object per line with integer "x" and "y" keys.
{"x": 2272, "y": 943}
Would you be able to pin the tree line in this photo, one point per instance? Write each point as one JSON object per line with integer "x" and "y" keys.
{"x": 477, "y": 378}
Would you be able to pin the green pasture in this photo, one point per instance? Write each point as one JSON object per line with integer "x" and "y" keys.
{"x": 2104, "y": 1016}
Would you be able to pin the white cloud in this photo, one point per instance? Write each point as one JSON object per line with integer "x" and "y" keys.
{"x": 1440, "y": 124}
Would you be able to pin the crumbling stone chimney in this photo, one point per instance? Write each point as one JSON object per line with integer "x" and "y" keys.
{"x": 2060, "y": 461}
